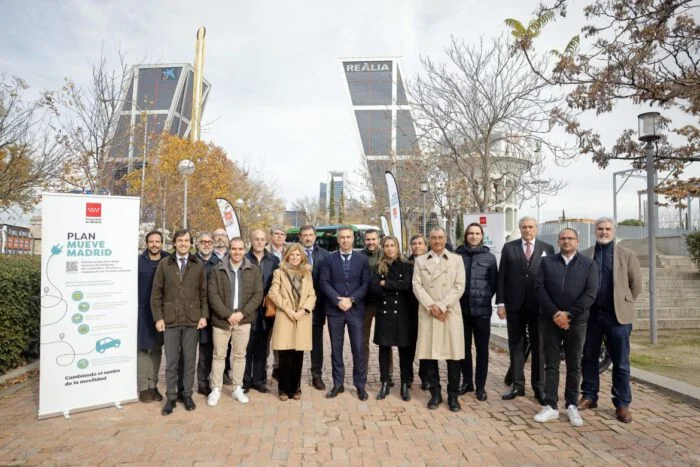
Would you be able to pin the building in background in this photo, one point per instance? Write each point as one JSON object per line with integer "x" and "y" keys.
{"x": 335, "y": 201}
{"x": 385, "y": 126}
{"x": 322, "y": 198}
{"x": 15, "y": 240}
{"x": 163, "y": 94}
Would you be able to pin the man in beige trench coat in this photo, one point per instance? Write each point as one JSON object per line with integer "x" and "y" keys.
{"x": 438, "y": 283}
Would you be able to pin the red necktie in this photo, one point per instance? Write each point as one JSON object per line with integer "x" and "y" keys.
{"x": 528, "y": 250}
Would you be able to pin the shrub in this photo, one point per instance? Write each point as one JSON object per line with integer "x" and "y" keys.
{"x": 693, "y": 242}
{"x": 20, "y": 310}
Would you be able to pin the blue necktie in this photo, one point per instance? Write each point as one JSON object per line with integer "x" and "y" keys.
{"x": 310, "y": 256}
{"x": 346, "y": 264}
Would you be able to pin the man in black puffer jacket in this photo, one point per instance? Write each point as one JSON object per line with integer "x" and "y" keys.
{"x": 482, "y": 276}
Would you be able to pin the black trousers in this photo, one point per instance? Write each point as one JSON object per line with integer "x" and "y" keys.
{"x": 480, "y": 328}
{"x": 206, "y": 354}
{"x": 453, "y": 371}
{"x": 255, "y": 372}
{"x": 553, "y": 338}
{"x": 405, "y": 363}
{"x": 289, "y": 371}
{"x": 317, "y": 349}
{"x": 176, "y": 339}
{"x": 518, "y": 322}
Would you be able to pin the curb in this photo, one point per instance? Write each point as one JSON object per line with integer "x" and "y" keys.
{"x": 19, "y": 371}
{"x": 672, "y": 387}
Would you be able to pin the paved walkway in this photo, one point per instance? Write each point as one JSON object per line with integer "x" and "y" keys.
{"x": 346, "y": 431}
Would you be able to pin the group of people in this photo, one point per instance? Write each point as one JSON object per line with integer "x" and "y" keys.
{"x": 236, "y": 306}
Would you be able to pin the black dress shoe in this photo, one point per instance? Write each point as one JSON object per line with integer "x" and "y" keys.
{"x": 481, "y": 395}
{"x": 383, "y": 391}
{"x": 435, "y": 400}
{"x": 425, "y": 386}
{"x": 513, "y": 393}
{"x": 465, "y": 388}
{"x": 453, "y": 402}
{"x": 405, "y": 395}
{"x": 335, "y": 390}
{"x": 260, "y": 388}
{"x": 189, "y": 404}
{"x": 362, "y": 394}
{"x": 155, "y": 395}
{"x": 145, "y": 396}
{"x": 168, "y": 407}
{"x": 204, "y": 390}
{"x": 317, "y": 382}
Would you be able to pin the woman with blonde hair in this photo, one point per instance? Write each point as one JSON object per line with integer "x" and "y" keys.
{"x": 395, "y": 322}
{"x": 292, "y": 292}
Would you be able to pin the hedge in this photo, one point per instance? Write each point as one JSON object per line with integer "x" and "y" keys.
{"x": 20, "y": 310}
{"x": 693, "y": 242}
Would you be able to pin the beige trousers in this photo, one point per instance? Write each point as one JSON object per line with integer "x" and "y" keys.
{"x": 239, "y": 334}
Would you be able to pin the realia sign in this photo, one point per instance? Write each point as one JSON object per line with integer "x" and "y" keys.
{"x": 358, "y": 67}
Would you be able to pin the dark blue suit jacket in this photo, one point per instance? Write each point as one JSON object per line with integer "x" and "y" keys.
{"x": 334, "y": 284}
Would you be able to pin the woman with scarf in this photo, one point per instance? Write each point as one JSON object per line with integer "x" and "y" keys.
{"x": 292, "y": 292}
{"x": 481, "y": 272}
{"x": 395, "y": 322}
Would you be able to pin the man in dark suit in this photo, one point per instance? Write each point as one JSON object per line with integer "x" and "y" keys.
{"x": 344, "y": 282}
{"x": 517, "y": 303}
{"x": 316, "y": 256}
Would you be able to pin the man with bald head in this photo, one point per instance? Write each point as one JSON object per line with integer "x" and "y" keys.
{"x": 255, "y": 374}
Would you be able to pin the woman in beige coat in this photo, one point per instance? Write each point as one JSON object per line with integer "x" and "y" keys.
{"x": 292, "y": 292}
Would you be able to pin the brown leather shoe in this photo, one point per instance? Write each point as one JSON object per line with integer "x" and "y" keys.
{"x": 623, "y": 414}
{"x": 586, "y": 403}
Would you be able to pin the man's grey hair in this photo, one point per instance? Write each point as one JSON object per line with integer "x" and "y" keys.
{"x": 201, "y": 235}
{"x": 436, "y": 229}
{"x": 600, "y": 220}
{"x": 526, "y": 219}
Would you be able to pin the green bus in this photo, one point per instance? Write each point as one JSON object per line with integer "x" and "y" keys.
{"x": 326, "y": 235}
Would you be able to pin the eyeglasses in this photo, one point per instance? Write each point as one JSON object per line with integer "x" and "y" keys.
{"x": 568, "y": 238}
{"x": 206, "y": 242}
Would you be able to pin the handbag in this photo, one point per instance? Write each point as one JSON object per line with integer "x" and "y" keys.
{"x": 270, "y": 307}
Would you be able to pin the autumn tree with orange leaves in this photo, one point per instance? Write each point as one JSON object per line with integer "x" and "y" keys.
{"x": 215, "y": 176}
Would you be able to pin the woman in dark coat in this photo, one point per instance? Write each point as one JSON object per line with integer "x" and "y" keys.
{"x": 395, "y": 322}
{"x": 481, "y": 271}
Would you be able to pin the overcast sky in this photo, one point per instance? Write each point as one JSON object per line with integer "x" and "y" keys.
{"x": 279, "y": 101}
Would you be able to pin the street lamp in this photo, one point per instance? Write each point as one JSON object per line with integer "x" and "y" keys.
{"x": 186, "y": 168}
{"x": 648, "y": 133}
{"x": 424, "y": 189}
{"x": 539, "y": 184}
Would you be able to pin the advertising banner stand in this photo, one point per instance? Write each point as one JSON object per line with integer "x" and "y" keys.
{"x": 494, "y": 225}
{"x": 89, "y": 302}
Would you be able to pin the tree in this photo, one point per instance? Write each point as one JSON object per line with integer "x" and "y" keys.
{"x": 310, "y": 210}
{"x": 215, "y": 176}
{"x": 89, "y": 119}
{"x": 644, "y": 52}
{"x": 31, "y": 149}
{"x": 632, "y": 222}
{"x": 485, "y": 115}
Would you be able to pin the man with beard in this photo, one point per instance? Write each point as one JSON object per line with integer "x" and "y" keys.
{"x": 150, "y": 342}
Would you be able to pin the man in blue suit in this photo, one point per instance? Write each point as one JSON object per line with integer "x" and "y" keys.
{"x": 344, "y": 282}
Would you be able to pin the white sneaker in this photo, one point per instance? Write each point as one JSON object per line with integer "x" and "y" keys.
{"x": 214, "y": 397}
{"x": 547, "y": 414}
{"x": 574, "y": 416}
{"x": 240, "y": 396}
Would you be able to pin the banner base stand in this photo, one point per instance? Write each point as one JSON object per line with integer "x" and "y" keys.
{"x": 66, "y": 414}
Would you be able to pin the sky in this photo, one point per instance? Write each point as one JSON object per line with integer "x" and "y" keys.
{"x": 279, "y": 102}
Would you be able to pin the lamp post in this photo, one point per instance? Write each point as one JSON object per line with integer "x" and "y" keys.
{"x": 648, "y": 134}
{"x": 186, "y": 168}
{"x": 424, "y": 189}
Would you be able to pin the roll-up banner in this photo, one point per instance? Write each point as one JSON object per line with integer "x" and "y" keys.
{"x": 230, "y": 218}
{"x": 394, "y": 207}
{"x": 385, "y": 225}
{"x": 494, "y": 225}
{"x": 89, "y": 302}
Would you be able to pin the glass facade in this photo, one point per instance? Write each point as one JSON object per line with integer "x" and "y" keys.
{"x": 370, "y": 83}
{"x": 164, "y": 93}
{"x": 375, "y": 131}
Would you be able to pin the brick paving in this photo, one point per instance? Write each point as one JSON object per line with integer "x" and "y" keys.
{"x": 345, "y": 431}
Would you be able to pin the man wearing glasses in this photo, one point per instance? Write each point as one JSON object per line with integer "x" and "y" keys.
{"x": 566, "y": 287}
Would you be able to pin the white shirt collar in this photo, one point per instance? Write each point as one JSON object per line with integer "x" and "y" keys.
{"x": 567, "y": 259}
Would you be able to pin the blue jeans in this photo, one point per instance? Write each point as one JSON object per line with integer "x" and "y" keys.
{"x": 618, "y": 342}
